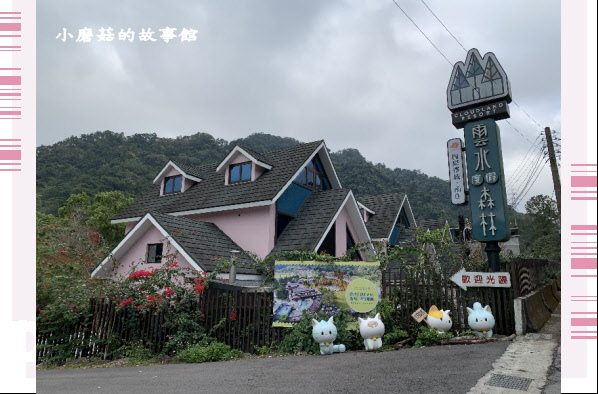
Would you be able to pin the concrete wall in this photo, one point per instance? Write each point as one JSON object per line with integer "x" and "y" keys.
{"x": 533, "y": 310}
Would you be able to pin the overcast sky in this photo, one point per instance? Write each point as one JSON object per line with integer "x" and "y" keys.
{"x": 355, "y": 73}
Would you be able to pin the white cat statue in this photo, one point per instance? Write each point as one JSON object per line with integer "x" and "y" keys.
{"x": 371, "y": 330}
{"x": 439, "y": 319}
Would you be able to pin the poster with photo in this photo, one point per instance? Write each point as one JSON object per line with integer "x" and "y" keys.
{"x": 320, "y": 287}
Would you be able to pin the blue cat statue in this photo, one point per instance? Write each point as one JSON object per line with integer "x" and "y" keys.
{"x": 481, "y": 320}
{"x": 324, "y": 332}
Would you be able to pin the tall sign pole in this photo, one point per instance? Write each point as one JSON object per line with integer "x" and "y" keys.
{"x": 478, "y": 94}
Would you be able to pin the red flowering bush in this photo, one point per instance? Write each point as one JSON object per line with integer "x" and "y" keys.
{"x": 139, "y": 274}
{"x": 125, "y": 302}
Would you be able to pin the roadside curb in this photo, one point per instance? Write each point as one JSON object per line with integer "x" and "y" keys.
{"x": 528, "y": 364}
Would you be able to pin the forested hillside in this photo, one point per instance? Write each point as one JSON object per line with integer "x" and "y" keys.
{"x": 106, "y": 161}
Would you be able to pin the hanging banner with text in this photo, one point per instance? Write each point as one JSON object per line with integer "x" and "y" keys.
{"x": 457, "y": 174}
{"x": 487, "y": 192}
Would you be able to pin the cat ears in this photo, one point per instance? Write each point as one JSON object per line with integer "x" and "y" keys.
{"x": 377, "y": 317}
{"x": 487, "y": 309}
{"x": 314, "y": 321}
{"x": 433, "y": 308}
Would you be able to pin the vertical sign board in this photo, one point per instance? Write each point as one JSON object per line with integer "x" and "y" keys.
{"x": 488, "y": 199}
{"x": 457, "y": 174}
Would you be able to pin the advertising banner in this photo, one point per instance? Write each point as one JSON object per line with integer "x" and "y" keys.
{"x": 316, "y": 286}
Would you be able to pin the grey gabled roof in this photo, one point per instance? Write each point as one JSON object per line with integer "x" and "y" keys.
{"x": 211, "y": 192}
{"x": 204, "y": 242}
{"x": 256, "y": 155}
{"x": 305, "y": 231}
{"x": 432, "y": 224}
{"x": 387, "y": 208}
{"x": 189, "y": 170}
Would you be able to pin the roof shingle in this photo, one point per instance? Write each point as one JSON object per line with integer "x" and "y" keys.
{"x": 308, "y": 227}
{"x": 204, "y": 242}
{"x": 211, "y": 192}
{"x": 387, "y": 208}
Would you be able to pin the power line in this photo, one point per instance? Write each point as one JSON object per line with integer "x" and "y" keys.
{"x": 446, "y": 28}
{"x": 530, "y": 187}
{"x": 516, "y": 174}
{"x": 518, "y": 184}
{"x": 535, "y": 173}
{"x": 528, "y": 115}
{"x": 517, "y": 130}
{"x": 422, "y": 32}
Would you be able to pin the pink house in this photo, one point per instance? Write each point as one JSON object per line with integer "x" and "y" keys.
{"x": 283, "y": 200}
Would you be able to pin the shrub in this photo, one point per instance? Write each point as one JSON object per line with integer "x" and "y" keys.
{"x": 299, "y": 337}
{"x": 429, "y": 337}
{"x": 394, "y": 336}
{"x": 215, "y": 351}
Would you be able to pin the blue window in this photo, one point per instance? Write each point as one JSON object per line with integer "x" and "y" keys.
{"x": 292, "y": 199}
{"x": 402, "y": 220}
{"x": 173, "y": 184}
{"x": 318, "y": 164}
{"x": 302, "y": 177}
{"x": 240, "y": 172}
{"x": 246, "y": 171}
{"x": 313, "y": 176}
{"x": 394, "y": 235}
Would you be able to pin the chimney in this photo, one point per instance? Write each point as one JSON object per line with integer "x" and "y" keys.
{"x": 232, "y": 273}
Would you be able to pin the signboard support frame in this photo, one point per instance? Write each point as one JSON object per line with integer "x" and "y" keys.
{"x": 493, "y": 252}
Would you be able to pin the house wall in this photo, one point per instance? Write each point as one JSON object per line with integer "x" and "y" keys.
{"x": 137, "y": 252}
{"x": 253, "y": 229}
{"x": 129, "y": 226}
{"x": 342, "y": 222}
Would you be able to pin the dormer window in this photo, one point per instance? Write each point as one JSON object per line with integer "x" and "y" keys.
{"x": 240, "y": 172}
{"x": 313, "y": 176}
{"x": 173, "y": 184}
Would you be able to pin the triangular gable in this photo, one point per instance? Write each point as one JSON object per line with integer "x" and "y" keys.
{"x": 361, "y": 206}
{"x": 171, "y": 165}
{"x": 356, "y": 220}
{"x": 238, "y": 150}
{"x": 405, "y": 204}
{"x": 326, "y": 163}
{"x": 133, "y": 236}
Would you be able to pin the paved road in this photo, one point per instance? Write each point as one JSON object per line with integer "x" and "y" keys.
{"x": 442, "y": 369}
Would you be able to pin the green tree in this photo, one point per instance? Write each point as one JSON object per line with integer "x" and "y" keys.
{"x": 81, "y": 212}
{"x": 540, "y": 229}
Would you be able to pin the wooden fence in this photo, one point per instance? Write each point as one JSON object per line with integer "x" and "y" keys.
{"x": 250, "y": 328}
{"x": 408, "y": 290}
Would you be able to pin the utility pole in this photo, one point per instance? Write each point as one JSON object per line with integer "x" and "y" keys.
{"x": 553, "y": 167}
